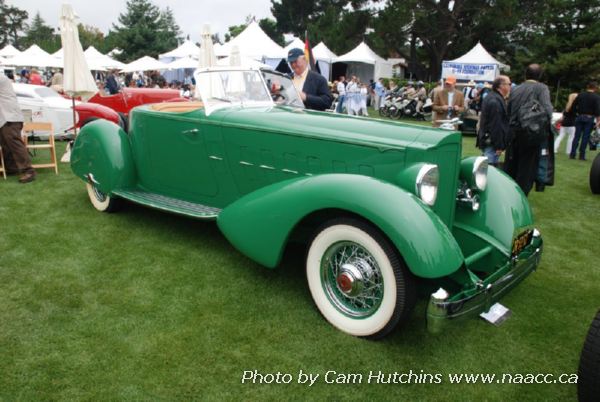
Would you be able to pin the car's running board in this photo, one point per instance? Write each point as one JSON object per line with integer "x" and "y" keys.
{"x": 169, "y": 204}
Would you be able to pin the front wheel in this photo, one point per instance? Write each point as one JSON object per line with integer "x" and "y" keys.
{"x": 101, "y": 201}
{"x": 357, "y": 279}
{"x": 595, "y": 175}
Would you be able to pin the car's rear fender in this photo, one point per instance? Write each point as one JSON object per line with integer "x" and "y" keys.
{"x": 102, "y": 150}
{"x": 86, "y": 111}
{"x": 260, "y": 223}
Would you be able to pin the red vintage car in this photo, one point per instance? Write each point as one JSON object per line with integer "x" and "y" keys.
{"x": 116, "y": 107}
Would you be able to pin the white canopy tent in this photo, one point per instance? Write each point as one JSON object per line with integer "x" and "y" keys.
{"x": 324, "y": 57}
{"x": 145, "y": 63}
{"x": 96, "y": 61}
{"x": 187, "y": 50}
{"x": 365, "y": 63}
{"x": 99, "y": 61}
{"x": 295, "y": 43}
{"x": 9, "y": 51}
{"x": 477, "y": 65}
{"x": 254, "y": 43}
{"x": 34, "y": 56}
{"x": 183, "y": 63}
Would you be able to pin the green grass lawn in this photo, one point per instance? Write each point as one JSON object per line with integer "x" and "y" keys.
{"x": 144, "y": 305}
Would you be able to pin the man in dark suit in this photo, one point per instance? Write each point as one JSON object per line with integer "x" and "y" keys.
{"x": 494, "y": 131}
{"x": 112, "y": 83}
{"x": 311, "y": 86}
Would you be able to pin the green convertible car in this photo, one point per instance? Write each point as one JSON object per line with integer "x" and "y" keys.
{"x": 382, "y": 207}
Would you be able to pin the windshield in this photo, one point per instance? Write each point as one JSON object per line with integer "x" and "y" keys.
{"x": 283, "y": 91}
{"x": 45, "y": 92}
{"x": 224, "y": 88}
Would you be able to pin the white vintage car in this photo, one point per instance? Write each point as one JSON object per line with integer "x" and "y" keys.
{"x": 45, "y": 104}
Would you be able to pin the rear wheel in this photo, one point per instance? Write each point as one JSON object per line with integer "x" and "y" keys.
{"x": 595, "y": 175}
{"x": 357, "y": 279}
{"x": 101, "y": 201}
{"x": 588, "y": 384}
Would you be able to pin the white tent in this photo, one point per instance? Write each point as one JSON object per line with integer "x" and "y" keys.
{"x": 145, "y": 63}
{"x": 246, "y": 62}
{"x": 9, "y": 51}
{"x": 99, "y": 61}
{"x": 184, "y": 62}
{"x": 59, "y": 54}
{"x": 295, "y": 43}
{"x": 186, "y": 49}
{"x": 477, "y": 65}
{"x": 365, "y": 63}
{"x": 34, "y": 56}
{"x": 115, "y": 52}
{"x": 255, "y": 44}
{"x": 324, "y": 57}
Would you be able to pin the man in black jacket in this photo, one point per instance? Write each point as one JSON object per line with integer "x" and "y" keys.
{"x": 494, "y": 131}
{"x": 311, "y": 86}
{"x": 522, "y": 159}
{"x": 587, "y": 108}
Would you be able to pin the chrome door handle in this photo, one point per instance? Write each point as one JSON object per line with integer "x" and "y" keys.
{"x": 192, "y": 131}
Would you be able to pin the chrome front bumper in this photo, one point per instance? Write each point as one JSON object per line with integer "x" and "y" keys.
{"x": 443, "y": 308}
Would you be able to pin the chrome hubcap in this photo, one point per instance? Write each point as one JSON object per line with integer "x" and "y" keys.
{"x": 352, "y": 279}
{"x": 100, "y": 196}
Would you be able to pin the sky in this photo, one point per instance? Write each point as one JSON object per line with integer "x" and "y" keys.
{"x": 190, "y": 15}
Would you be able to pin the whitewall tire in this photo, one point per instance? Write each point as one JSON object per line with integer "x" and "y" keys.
{"x": 101, "y": 201}
{"x": 357, "y": 280}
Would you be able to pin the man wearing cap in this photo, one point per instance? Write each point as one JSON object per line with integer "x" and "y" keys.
{"x": 311, "y": 86}
{"x": 448, "y": 102}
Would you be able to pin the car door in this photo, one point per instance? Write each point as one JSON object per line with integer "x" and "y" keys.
{"x": 177, "y": 162}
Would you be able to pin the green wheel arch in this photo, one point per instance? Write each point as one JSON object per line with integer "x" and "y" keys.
{"x": 259, "y": 224}
{"x": 102, "y": 148}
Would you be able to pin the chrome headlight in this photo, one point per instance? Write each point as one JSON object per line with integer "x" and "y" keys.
{"x": 474, "y": 171}
{"x": 427, "y": 183}
{"x": 480, "y": 170}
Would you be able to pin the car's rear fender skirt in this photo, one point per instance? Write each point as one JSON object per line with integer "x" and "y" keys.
{"x": 260, "y": 223}
{"x": 102, "y": 150}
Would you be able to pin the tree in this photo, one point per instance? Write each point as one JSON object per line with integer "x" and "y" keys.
{"x": 269, "y": 26}
{"x": 41, "y": 34}
{"x": 13, "y": 21}
{"x": 144, "y": 30}
{"x": 90, "y": 36}
{"x": 171, "y": 32}
{"x": 340, "y": 23}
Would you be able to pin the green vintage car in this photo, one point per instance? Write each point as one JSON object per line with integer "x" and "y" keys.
{"x": 380, "y": 206}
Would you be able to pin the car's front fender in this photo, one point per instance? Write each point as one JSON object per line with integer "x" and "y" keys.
{"x": 504, "y": 213}
{"x": 260, "y": 223}
{"x": 102, "y": 149}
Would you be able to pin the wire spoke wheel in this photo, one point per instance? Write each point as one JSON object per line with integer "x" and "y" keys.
{"x": 357, "y": 279}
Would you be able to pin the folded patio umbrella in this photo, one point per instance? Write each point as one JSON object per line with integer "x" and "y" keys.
{"x": 77, "y": 78}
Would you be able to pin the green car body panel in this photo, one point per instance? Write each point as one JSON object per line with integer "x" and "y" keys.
{"x": 259, "y": 223}
{"x": 259, "y": 171}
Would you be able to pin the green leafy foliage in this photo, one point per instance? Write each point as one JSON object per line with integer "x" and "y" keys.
{"x": 41, "y": 34}
{"x": 144, "y": 30}
{"x": 13, "y": 21}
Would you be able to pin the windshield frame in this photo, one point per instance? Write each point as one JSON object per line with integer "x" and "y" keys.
{"x": 210, "y": 107}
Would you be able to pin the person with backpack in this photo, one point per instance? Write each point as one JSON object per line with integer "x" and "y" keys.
{"x": 530, "y": 115}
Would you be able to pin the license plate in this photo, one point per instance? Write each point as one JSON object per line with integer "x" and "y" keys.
{"x": 521, "y": 241}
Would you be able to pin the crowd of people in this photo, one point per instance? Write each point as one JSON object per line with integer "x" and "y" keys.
{"x": 517, "y": 122}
